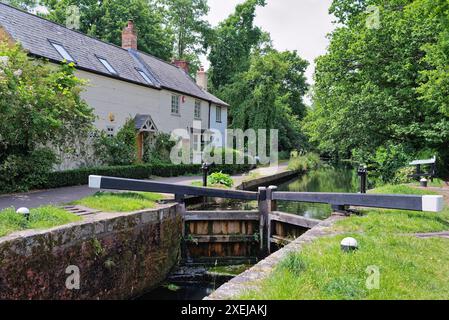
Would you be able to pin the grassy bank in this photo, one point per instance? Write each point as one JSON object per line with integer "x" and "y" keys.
{"x": 409, "y": 267}
{"x": 40, "y": 218}
{"x": 120, "y": 202}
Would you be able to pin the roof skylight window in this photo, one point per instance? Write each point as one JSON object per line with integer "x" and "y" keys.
{"x": 145, "y": 77}
{"x": 63, "y": 52}
{"x": 108, "y": 66}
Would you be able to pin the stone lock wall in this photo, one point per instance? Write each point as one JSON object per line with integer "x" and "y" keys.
{"x": 119, "y": 256}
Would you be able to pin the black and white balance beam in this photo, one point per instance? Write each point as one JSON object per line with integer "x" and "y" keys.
{"x": 428, "y": 203}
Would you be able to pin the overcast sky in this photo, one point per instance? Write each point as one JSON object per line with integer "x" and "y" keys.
{"x": 299, "y": 25}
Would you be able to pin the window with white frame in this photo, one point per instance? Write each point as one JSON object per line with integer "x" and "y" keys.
{"x": 175, "y": 104}
{"x": 196, "y": 143}
{"x": 218, "y": 114}
{"x": 197, "y": 109}
{"x": 110, "y": 130}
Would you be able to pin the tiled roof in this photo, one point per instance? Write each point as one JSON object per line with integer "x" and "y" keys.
{"x": 35, "y": 33}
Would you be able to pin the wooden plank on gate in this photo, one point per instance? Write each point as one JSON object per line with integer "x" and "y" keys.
{"x": 292, "y": 219}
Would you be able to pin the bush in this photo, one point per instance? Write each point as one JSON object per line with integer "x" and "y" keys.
{"x": 220, "y": 178}
{"x": 402, "y": 175}
{"x": 159, "y": 152}
{"x": 309, "y": 161}
{"x": 20, "y": 173}
{"x": 118, "y": 150}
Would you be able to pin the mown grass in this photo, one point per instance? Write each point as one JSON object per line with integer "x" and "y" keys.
{"x": 120, "y": 202}
{"x": 409, "y": 267}
{"x": 40, "y": 218}
{"x": 402, "y": 189}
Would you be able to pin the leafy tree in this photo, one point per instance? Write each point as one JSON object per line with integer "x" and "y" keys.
{"x": 269, "y": 96}
{"x": 41, "y": 111}
{"x": 186, "y": 18}
{"x": 106, "y": 19}
{"x": 366, "y": 97}
{"x": 234, "y": 40}
{"x": 435, "y": 82}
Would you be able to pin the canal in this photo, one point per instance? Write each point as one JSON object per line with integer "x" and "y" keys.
{"x": 325, "y": 179}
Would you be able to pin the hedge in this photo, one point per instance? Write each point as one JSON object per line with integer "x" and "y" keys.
{"x": 145, "y": 171}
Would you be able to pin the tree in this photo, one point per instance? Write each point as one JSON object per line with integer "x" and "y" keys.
{"x": 269, "y": 96}
{"x": 106, "y": 19}
{"x": 186, "y": 19}
{"x": 366, "y": 98}
{"x": 233, "y": 42}
{"x": 41, "y": 111}
{"x": 435, "y": 81}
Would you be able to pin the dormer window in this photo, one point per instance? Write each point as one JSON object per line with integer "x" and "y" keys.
{"x": 62, "y": 52}
{"x": 145, "y": 77}
{"x": 107, "y": 65}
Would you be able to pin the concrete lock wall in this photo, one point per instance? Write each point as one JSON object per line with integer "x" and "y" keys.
{"x": 118, "y": 256}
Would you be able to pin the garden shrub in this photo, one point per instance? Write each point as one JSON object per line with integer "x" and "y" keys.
{"x": 220, "y": 178}
{"x": 402, "y": 176}
{"x": 159, "y": 152}
{"x": 118, "y": 150}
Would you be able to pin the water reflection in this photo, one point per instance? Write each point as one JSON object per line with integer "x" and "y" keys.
{"x": 327, "y": 179}
{"x": 184, "y": 291}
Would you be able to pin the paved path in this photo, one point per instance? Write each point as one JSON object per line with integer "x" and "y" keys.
{"x": 67, "y": 194}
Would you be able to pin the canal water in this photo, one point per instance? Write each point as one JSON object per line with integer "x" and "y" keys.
{"x": 326, "y": 179}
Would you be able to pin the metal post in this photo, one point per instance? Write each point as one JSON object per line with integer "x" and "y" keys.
{"x": 363, "y": 172}
{"x": 205, "y": 168}
{"x": 263, "y": 219}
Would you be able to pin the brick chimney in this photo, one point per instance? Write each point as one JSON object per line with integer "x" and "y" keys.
{"x": 183, "y": 64}
{"x": 201, "y": 78}
{"x": 129, "y": 36}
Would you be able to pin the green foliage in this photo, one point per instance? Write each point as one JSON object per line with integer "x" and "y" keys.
{"x": 40, "y": 218}
{"x": 120, "y": 202}
{"x": 269, "y": 96}
{"x": 372, "y": 94}
{"x": 186, "y": 19}
{"x": 159, "y": 152}
{"x": 403, "y": 175}
{"x": 220, "y": 178}
{"x": 40, "y": 110}
{"x": 118, "y": 150}
{"x": 233, "y": 42}
{"x": 308, "y": 161}
{"x": 105, "y": 20}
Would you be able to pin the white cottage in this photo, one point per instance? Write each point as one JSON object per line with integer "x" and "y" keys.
{"x": 124, "y": 82}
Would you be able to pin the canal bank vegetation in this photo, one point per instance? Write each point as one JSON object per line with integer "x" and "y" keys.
{"x": 120, "y": 202}
{"x": 408, "y": 267}
{"x": 40, "y": 218}
{"x": 304, "y": 162}
{"x": 380, "y": 95}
